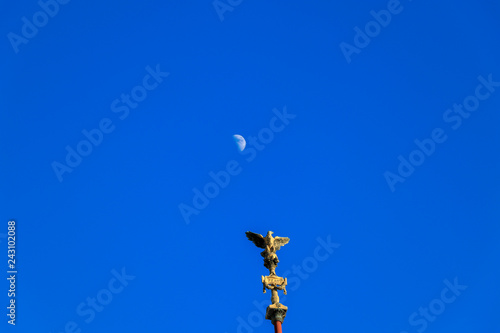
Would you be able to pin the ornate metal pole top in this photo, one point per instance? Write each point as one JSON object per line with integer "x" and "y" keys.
{"x": 276, "y": 312}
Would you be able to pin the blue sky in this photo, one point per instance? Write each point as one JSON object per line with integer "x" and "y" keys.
{"x": 372, "y": 142}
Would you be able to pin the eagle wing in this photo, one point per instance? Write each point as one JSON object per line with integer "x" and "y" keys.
{"x": 280, "y": 241}
{"x": 257, "y": 239}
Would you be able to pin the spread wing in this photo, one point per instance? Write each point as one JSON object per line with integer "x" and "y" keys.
{"x": 280, "y": 241}
{"x": 257, "y": 239}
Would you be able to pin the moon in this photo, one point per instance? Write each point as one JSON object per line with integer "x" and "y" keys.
{"x": 240, "y": 141}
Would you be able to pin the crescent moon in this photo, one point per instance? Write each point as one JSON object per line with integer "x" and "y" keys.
{"x": 240, "y": 141}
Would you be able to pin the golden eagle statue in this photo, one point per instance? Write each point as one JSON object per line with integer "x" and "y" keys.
{"x": 270, "y": 245}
